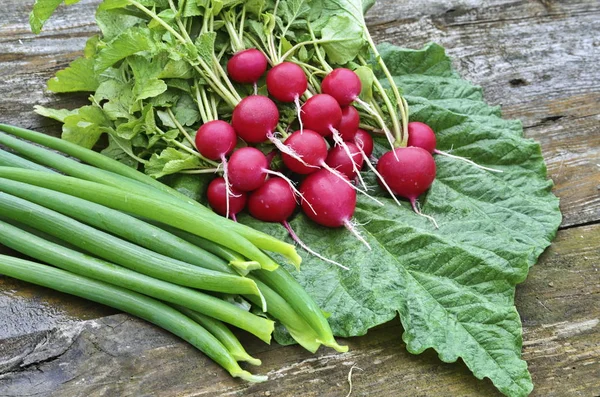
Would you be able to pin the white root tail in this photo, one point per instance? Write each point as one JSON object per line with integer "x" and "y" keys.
{"x": 307, "y": 248}
{"x": 337, "y": 138}
{"x": 292, "y": 186}
{"x": 299, "y": 110}
{"x": 352, "y": 229}
{"x": 378, "y": 175}
{"x": 415, "y": 207}
{"x": 228, "y": 192}
{"x": 288, "y": 150}
{"x": 465, "y": 160}
{"x": 388, "y": 134}
{"x": 347, "y": 182}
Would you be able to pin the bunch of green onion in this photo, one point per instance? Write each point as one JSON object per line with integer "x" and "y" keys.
{"x": 103, "y": 231}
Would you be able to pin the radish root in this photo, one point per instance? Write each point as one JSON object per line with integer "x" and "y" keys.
{"x": 352, "y": 229}
{"x": 415, "y": 207}
{"x": 466, "y": 161}
{"x": 307, "y": 249}
{"x": 292, "y": 186}
{"x": 346, "y": 181}
{"x": 288, "y": 150}
{"x": 340, "y": 142}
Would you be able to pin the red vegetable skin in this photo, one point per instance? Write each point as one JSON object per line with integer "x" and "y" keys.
{"x": 274, "y": 201}
{"x": 247, "y": 169}
{"x": 215, "y": 139}
{"x": 310, "y": 146}
{"x": 321, "y": 113}
{"x": 339, "y": 160}
{"x": 342, "y": 84}
{"x": 217, "y": 198}
{"x": 286, "y": 82}
{"x": 254, "y": 118}
{"x": 333, "y": 200}
{"x": 364, "y": 140}
{"x": 349, "y": 123}
{"x": 247, "y": 66}
{"x": 421, "y": 135}
{"x": 410, "y": 174}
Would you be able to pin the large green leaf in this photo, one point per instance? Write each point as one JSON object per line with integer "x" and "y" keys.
{"x": 453, "y": 286}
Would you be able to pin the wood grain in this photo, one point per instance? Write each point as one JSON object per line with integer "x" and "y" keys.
{"x": 538, "y": 59}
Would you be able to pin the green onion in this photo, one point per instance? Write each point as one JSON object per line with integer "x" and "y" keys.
{"x": 176, "y": 216}
{"x": 118, "y": 224}
{"x": 12, "y": 160}
{"x": 130, "y": 302}
{"x": 88, "y": 266}
{"x": 119, "y": 251}
{"x": 134, "y": 180}
{"x": 222, "y": 333}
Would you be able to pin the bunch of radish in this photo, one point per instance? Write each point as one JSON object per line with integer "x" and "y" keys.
{"x": 326, "y": 154}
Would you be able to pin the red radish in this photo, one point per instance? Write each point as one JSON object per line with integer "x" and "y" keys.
{"x": 409, "y": 172}
{"x": 255, "y": 118}
{"x": 246, "y": 169}
{"x": 310, "y": 147}
{"x": 338, "y": 158}
{"x": 224, "y": 201}
{"x": 364, "y": 144}
{"x": 321, "y": 113}
{"x": 421, "y": 135}
{"x": 333, "y": 201}
{"x": 345, "y": 86}
{"x": 342, "y": 84}
{"x": 349, "y": 123}
{"x": 247, "y": 66}
{"x": 364, "y": 141}
{"x": 286, "y": 82}
{"x": 215, "y": 139}
{"x": 275, "y": 201}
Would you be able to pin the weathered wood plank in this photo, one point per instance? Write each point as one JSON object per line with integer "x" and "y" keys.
{"x": 118, "y": 355}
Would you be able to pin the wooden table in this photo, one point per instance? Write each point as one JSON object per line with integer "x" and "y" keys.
{"x": 538, "y": 59}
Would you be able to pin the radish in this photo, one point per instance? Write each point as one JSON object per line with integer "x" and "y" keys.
{"x": 255, "y": 118}
{"x": 342, "y": 84}
{"x": 287, "y": 82}
{"x": 333, "y": 201}
{"x": 323, "y": 114}
{"x": 247, "y": 66}
{"x": 224, "y": 200}
{"x": 409, "y": 172}
{"x": 248, "y": 169}
{"x": 364, "y": 144}
{"x": 349, "y": 123}
{"x": 215, "y": 140}
{"x": 364, "y": 141}
{"x": 346, "y": 165}
{"x": 275, "y": 201}
{"x": 345, "y": 86}
{"x": 421, "y": 135}
{"x": 310, "y": 147}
